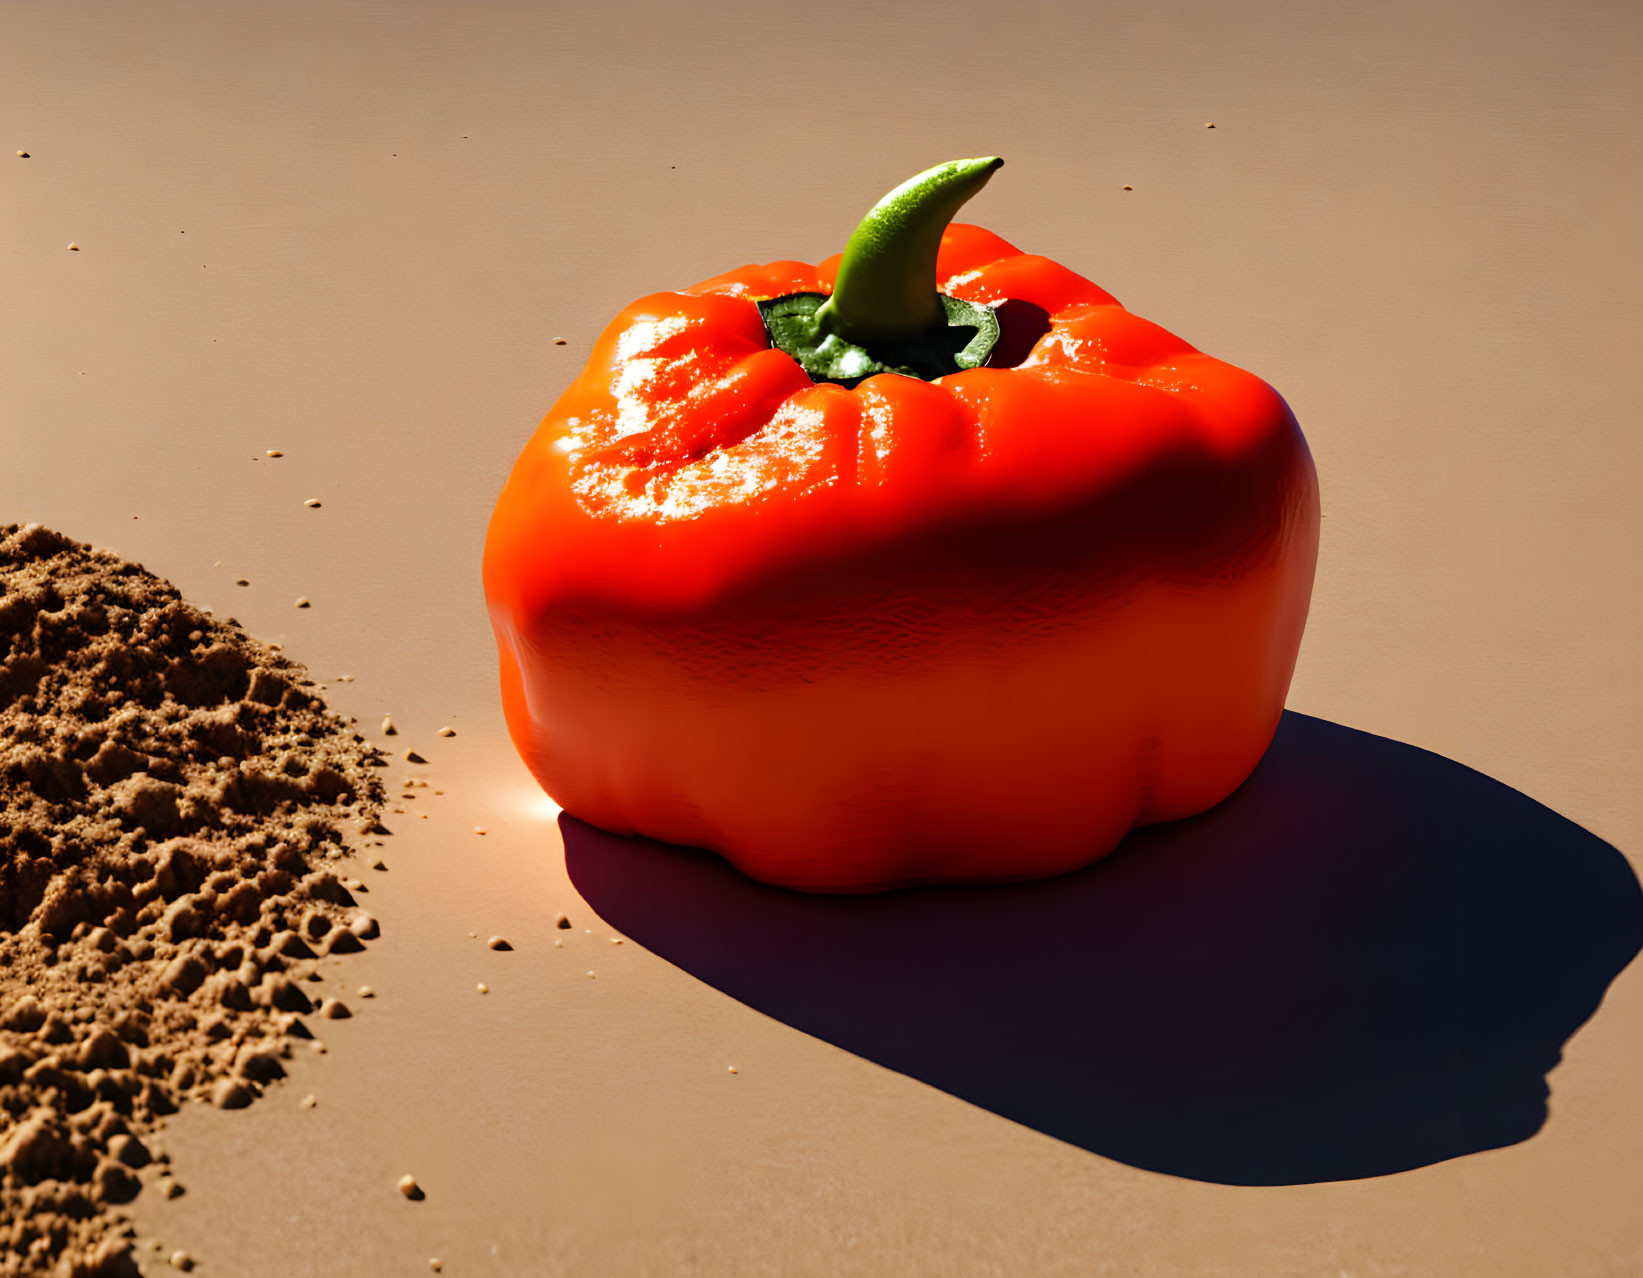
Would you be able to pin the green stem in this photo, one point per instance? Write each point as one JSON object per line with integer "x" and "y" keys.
{"x": 885, "y": 293}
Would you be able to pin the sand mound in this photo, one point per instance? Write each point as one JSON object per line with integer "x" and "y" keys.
{"x": 171, "y": 792}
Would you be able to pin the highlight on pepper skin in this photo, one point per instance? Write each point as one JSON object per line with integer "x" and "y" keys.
{"x": 822, "y": 569}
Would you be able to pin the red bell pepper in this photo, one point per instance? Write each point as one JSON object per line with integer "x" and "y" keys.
{"x": 865, "y": 584}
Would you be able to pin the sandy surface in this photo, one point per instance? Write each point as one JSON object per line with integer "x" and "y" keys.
{"x": 352, "y": 233}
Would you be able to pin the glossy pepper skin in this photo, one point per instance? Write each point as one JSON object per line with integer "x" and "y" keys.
{"x": 854, "y": 638}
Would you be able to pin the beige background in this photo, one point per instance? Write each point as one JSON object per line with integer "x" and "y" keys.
{"x": 353, "y": 231}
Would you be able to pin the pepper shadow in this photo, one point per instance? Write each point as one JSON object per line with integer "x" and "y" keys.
{"x": 1366, "y": 960}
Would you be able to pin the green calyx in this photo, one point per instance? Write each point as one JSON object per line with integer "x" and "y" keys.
{"x": 884, "y": 314}
{"x": 963, "y": 339}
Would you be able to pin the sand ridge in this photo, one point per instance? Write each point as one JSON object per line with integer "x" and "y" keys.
{"x": 175, "y": 801}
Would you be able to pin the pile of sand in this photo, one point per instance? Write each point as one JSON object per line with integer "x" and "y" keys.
{"x": 170, "y": 793}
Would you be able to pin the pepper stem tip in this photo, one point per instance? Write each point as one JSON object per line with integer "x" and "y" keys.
{"x": 885, "y": 291}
